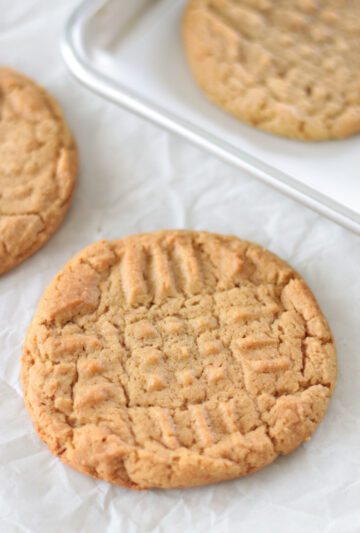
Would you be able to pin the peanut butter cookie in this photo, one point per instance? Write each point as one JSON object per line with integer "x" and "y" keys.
{"x": 38, "y": 166}
{"x": 290, "y": 67}
{"x": 175, "y": 359}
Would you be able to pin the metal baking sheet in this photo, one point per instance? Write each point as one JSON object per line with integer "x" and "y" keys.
{"x": 131, "y": 53}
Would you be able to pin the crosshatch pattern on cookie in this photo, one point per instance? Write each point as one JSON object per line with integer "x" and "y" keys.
{"x": 178, "y": 349}
{"x": 291, "y": 69}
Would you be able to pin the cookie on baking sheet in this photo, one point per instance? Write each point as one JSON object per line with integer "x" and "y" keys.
{"x": 175, "y": 359}
{"x": 38, "y": 166}
{"x": 290, "y": 67}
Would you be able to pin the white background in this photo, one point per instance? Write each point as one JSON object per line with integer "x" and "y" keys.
{"x": 137, "y": 178}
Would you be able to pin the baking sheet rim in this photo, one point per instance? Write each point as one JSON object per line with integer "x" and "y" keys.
{"x": 81, "y": 66}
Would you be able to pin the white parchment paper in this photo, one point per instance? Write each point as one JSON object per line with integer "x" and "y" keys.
{"x": 137, "y": 178}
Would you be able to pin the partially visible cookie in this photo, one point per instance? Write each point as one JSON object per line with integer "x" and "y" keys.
{"x": 38, "y": 167}
{"x": 290, "y": 67}
{"x": 175, "y": 359}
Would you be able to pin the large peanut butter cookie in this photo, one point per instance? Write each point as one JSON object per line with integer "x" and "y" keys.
{"x": 175, "y": 359}
{"x": 290, "y": 67}
{"x": 38, "y": 166}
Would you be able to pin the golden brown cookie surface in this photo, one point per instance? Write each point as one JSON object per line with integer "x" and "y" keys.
{"x": 38, "y": 166}
{"x": 175, "y": 359}
{"x": 290, "y": 67}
